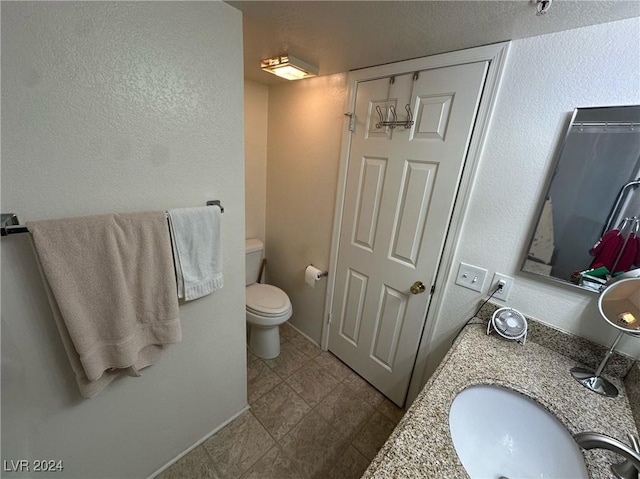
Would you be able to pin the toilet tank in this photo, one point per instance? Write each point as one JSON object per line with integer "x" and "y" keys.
{"x": 253, "y": 248}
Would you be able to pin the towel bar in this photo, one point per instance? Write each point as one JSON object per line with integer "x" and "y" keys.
{"x": 11, "y": 224}
{"x": 215, "y": 203}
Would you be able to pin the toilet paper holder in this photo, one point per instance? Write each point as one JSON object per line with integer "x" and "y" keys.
{"x": 323, "y": 273}
{"x": 313, "y": 275}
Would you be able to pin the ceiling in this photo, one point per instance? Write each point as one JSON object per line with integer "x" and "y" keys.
{"x": 339, "y": 36}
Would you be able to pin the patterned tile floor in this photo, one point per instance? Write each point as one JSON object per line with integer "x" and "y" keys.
{"x": 311, "y": 417}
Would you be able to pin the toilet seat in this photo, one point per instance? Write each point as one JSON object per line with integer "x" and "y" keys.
{"x": 267, "y": 300}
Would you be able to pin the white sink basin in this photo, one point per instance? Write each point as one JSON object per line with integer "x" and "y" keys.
{"x": 499, "y": 433}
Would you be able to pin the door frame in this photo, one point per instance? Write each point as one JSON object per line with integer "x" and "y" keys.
{"x": 496, "y": 55}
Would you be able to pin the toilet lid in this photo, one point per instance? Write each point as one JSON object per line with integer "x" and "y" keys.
{"x": 267, "y": 299}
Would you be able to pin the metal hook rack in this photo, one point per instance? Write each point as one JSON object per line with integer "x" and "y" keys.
{"x": 395, "y": 122}
{"x": 391, "y": 109}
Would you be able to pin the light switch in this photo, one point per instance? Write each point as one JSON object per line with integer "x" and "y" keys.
{"x": 471, "y": 277}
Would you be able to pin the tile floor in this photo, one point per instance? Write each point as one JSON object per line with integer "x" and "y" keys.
{"x": 311, "y": 417}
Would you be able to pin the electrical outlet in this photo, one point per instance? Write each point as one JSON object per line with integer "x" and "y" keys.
{"x": 502, "y": 295}
{"x": 471, "y": 277}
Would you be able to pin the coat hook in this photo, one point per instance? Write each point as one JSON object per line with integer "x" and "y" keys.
{"x": 409, "y": 119}
{"x": 392, "y": 109}
{"x": 380, "y": 124}
{"x": 542, "y": 7}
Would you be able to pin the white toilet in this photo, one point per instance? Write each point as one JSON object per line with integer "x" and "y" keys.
{"x": 267, "y": 306}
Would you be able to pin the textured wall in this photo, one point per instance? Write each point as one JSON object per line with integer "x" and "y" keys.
{"x": 256, "y": 111}
{"x": 546, "y": 77}
{"x": 305, "y": 130}
{"x": 118, "y": 107}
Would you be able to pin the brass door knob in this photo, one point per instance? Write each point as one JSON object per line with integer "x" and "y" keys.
{"x": 418, "y": 287}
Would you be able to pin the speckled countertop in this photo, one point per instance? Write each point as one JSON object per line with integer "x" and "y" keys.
{"x": 421, "y": 445}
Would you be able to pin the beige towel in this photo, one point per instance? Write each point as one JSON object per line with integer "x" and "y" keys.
{"x": 111, "y": 285}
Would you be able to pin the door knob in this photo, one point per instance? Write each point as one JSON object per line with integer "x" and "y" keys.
{"x": 417, "y": 287}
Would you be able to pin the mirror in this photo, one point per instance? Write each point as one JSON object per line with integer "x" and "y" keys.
{"x": 588, "y": 227}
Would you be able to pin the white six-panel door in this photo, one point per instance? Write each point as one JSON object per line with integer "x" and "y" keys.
{"x": 400, "y": 191}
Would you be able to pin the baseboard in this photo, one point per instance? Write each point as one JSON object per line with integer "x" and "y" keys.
{"x": 198, "y": 443}
{"x": 303, "y": 334}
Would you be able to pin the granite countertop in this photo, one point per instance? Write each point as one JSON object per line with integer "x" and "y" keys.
{"x": 421, "y": 445}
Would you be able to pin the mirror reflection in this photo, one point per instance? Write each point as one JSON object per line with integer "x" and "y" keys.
{"x": 589, "y": 227}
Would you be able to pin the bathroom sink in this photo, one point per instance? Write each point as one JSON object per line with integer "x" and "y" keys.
{"x": 499, "y": 433}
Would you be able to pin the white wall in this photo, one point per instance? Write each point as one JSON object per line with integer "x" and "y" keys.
{"x": 546, "y": 77}
{"x": 120, "y": 107}
{"x": 305, "y": 130}
{"x": 256, "y": 110}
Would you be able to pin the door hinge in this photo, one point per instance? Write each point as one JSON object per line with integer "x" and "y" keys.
{"x": 352, "y": 121}
{"x": 433, "y": 289}
{"x": 329, "y": 318}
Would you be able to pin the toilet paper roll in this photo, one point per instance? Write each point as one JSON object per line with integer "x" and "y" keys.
{"x": 311, "y": 275}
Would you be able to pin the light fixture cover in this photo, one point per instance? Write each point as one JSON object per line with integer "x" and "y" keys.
{"x": 288, "y": 67}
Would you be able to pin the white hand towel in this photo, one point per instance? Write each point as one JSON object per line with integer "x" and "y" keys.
{"x": 197, "y": 250}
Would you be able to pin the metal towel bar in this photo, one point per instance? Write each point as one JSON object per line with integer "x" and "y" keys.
{"x": 11, "y": 225}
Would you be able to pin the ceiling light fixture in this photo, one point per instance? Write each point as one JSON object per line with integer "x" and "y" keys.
{"x": 288, "y": 67}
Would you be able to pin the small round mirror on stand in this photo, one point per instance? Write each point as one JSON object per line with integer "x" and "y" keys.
{"x": 619, "y": 305}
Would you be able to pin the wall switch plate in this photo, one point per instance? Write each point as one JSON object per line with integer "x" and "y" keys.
{"x": 471, "y": 277}
{"x": 504, "y": 294}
